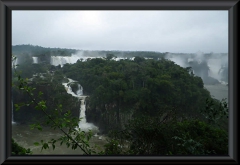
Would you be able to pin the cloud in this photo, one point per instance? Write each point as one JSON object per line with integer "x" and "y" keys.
{"x": 164, "y": 31}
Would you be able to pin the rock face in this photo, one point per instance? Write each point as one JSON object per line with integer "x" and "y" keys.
{"x": 106, "y": 119}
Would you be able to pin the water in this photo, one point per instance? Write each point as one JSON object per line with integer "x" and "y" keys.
{"x": 215, "y": 66}
{"x": 69, "y": 89}
{"x": 61, "y": 60}
{"x": 26, "y": 137}
{"x": 15, "y": 62}
{"x": 83, "y": 124}
{"x": 35, "y": 60}
{"x": 218, "y": 91}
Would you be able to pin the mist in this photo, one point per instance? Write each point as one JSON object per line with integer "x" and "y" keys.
{"x": 211, "y": 67}
{"x": 162, "y": 31}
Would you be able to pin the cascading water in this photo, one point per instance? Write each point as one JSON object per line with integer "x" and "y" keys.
{"x": 69, "y": 89}
{"x": 79, "y": 94}
{"x": 15, "y": 62}
{"x": 35, "y": 60}
{"x": 80, "y": 90}
{"x": 82, "y": 112}
{"x": 57, "y": 60}
{"x": 61, "y": 60}
{"x": 215, "y": 66}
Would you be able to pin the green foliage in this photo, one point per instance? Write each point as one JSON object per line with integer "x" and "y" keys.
{"x": 112, "y": 147}
{"x": 72, "y": 137}
{"x": 135, "y": 87}
{"x": 38, "y": 126}
{"x": 153, "y": 136}
{"x": 215, "y": 111}
{"x": 197, "y": 137}
{"x": 38, "y": 50}
{"x": 155, "y": 94}
{"x": 110, "y": 56}
{"x": 189, "y": 146}
{"x": 19, "y": 150}
{"x": 50, "y": 88}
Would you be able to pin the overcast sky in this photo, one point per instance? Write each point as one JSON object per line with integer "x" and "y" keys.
{"x": 162, "y": 31}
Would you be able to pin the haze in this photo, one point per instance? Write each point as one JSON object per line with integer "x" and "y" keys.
{"x": 162, "y": 31}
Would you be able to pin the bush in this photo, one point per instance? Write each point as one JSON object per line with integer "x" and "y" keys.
{"x": 19, "y": 150}
{"x": 189, "y": 137}
{"x": 204, "y": 138}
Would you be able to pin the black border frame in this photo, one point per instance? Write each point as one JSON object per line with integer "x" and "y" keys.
{"x": 6, "y": 6}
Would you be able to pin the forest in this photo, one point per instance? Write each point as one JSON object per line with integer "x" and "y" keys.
{"x": 155, "y": 105}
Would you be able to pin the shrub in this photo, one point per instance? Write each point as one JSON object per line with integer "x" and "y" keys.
{"x": 19, "y": 150}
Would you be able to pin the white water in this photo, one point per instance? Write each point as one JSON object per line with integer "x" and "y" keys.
{"x": 69, "y": 89}
{"x": 35, "y": 60}
{"x": 83, "y": 124}
{"x": 15, "y": 62}
{"x": 82, "y": 112}
{"x": 26, "y": 137}
{"x": 80, "y": 90}
{"x": 61, "y": 60}
{"x": 214, "y": 66}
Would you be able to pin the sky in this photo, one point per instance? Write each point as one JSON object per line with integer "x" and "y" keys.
{"x": 175, "y": 31}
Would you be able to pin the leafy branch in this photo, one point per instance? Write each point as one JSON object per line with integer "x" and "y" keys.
{"x": 80, "y": 136}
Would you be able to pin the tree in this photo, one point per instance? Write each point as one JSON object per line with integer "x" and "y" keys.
{"x": 145, "y": 99}
{"x": 19, "y": 150}
{"x": 72, "y": 137}
{"x": 110, "y": 56}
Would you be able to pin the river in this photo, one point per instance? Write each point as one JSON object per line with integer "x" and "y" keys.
{"x": 218, "y": 91}
{"x": 26, "y": 137}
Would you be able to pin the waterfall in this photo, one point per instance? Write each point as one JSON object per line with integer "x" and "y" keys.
{"x": 15, "y": 62}
{"x": 214, "y": 66}
{"x": 69, "y": 89}
{"x": 61, "y": 60}
{"x": 80, "y": 90}
{"x": 83, "y": 124}
{"x": 82, "y": 112}
{"x": 56, "y": 60}
{"x": 35, "y": 60}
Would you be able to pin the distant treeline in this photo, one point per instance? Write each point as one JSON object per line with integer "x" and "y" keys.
{"x": 38, "y": 50}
